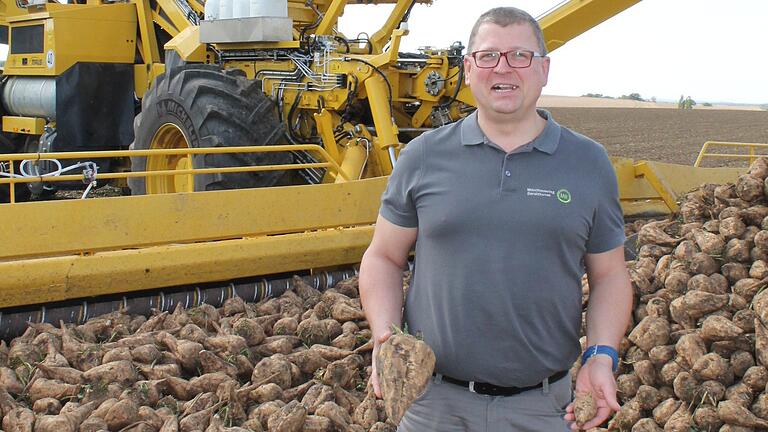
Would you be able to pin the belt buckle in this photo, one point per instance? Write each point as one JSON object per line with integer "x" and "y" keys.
{"x": 472, "y": 387}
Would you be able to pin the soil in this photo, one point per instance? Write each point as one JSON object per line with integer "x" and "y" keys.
{"x": 667, "y": 135}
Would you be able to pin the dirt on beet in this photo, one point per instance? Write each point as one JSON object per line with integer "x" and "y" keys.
{"x": 405, "y": 365}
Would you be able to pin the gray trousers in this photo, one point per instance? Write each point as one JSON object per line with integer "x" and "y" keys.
{"x": 446, "y": 407}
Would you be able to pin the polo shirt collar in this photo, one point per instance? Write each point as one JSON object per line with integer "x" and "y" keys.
{"x": 471, "y": 134}
{"x": 547, "y": 141}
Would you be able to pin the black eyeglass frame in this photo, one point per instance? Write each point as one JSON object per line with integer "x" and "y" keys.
{"x": 505, "y": 54}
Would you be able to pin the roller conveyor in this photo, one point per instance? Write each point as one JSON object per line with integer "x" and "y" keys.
{"x": 13, "y": 321}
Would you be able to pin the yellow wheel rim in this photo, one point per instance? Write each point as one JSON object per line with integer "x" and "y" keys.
{"x": 169, "y": 136}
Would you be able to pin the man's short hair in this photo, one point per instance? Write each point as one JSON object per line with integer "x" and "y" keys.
{"x": 506, "y": 16}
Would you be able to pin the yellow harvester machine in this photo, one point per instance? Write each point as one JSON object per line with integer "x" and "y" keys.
{"x": 254, "y": 147}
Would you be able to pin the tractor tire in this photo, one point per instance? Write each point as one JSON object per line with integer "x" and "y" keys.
{"x": 13, "y": 143}
{"x": 202, "y": 106}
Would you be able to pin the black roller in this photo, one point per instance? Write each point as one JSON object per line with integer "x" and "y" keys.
{"x": 13, "y": 321}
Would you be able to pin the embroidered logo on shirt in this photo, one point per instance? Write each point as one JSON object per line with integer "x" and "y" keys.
{"x": 562, "y": 195}
{"x": 540, "y": 192}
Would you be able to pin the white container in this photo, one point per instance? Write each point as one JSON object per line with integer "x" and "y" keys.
{"x": 241, "y": 8}
{"x": 269, "y": 8}
{"x": 212, "y": 10}
{"x": 225, "y": 9}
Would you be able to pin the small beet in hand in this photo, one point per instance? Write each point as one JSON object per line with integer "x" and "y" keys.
{"x": 584, "y": 407}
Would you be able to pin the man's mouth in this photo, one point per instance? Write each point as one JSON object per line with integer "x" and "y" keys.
{"x": 504, "y": 87}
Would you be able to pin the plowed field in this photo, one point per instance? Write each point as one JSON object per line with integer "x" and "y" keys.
{"x": 666, "y": 135}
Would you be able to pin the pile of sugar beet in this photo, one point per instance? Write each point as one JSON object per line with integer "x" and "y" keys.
{"x": 299, "y": 362}
{"x": 695, "y": 356}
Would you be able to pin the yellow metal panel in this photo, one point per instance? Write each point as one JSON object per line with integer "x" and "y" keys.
{"x": 659, "y": 184}
{"x": 164, "y": 23}
{"x": 355, "y": 157}
{"x": 144, "y": 75}
{"x": 684, "y": 178}
{"x": 324, "y": 120}
{"x": 640, "y": 197}
{"x": 47, "y": 10}
{"x": 26, "y": 64}
{"x": 150, "y": 52}
{"x": 24, "y": 125}
{"x": 644, "y": 208}
{"x": 8, "y": 9}
{"x": 54, "y": 279}
{"x": 77, "y": 33}
{"x": 86, "y": 226}
{"x": 422, "y": 114}
{"x": 300, "y": 13}
{"x": 383, "y": 35}
{"x": 465, "y": 95}
{"x": 331, "y": 16}
{"x": 419, "y": 81}
{"x": 378, "y": 98}
{"x": 175, "y": 14}
{"x": 575, "y": 17}
{"x": 187, "y": 44}
{"x": 198, "y": 6}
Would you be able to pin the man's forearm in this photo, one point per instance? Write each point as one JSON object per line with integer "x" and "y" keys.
{"x": 381, "y": 293}
{"x": 609, "y": 310}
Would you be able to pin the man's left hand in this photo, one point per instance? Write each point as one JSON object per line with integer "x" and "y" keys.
{"x": 596, "y": 377}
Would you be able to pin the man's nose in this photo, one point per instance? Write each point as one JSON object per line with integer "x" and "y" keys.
{"x": 503, "y": 65}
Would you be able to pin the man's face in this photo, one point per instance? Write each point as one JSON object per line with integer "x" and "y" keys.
{"x": 504, "y": 90}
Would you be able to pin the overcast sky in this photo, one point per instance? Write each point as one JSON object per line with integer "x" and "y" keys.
{"x": 712, "y": 50}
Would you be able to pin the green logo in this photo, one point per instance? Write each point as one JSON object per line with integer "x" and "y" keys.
{"x": 564, "y": 196}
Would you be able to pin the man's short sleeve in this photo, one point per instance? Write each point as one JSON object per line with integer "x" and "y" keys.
{"x": 608, "y": 224}
{"x": 398, "y": 203}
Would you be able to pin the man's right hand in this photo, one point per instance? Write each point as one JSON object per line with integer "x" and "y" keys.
{"x": 381, "y": 283}
{"x": 374, "y": 372}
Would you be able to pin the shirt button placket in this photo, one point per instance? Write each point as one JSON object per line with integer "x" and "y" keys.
{"x": 506, "y": 175}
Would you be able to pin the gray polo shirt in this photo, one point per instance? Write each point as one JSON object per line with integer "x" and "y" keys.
{"x": 496, "y": 288}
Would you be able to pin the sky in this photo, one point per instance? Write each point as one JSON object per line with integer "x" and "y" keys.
{"x": 711, "y": 50}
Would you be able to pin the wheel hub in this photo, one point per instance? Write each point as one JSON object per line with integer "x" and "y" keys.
{"x": 169, "y": 136}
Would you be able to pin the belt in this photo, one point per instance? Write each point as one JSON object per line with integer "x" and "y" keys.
{"x": 494, "y": 390}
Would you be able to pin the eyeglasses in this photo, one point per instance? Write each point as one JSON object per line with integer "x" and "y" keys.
{"x": 515, "y": 58}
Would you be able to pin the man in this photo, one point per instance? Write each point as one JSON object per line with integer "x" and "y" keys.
{"x": 508, "y": 208}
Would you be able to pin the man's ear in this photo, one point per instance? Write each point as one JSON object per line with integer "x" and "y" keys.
{"x": 545, "y": 70}
{"x": 467, "y": 69}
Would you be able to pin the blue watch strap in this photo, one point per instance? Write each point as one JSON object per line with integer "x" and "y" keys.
{"x": 601, "y": 349}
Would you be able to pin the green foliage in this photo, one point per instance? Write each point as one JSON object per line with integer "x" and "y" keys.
{"x": 597, "y": 95}
{"x": 633, "y": 96}
{"x": 685, "y": 103}
{"x": 404, "y": 331}
{"x": 707, "y": 104}
{"x": 400, "y": 331}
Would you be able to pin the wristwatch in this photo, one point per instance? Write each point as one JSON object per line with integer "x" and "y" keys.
{"x": 594, "y": 350}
